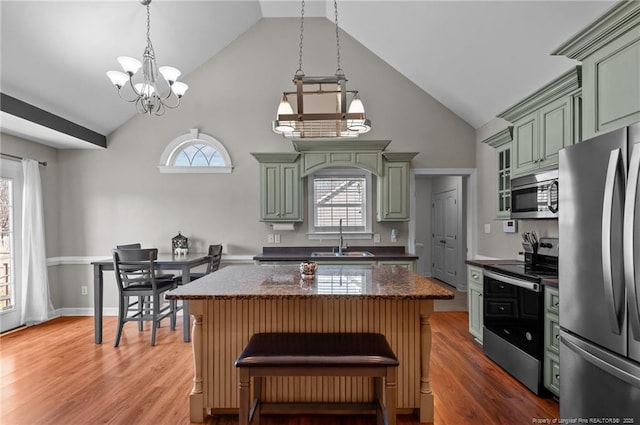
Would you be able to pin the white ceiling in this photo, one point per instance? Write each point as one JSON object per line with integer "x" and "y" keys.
{"x": 476, "y": 57}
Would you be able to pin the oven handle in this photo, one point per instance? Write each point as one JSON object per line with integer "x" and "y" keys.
{"x": 531, "y": 286}
{"x": 607, "y": 216}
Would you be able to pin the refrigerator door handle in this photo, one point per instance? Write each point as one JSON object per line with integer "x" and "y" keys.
{"x": 607, "y": 212}
{"x": 609, "y": 363}
{"x": 630, "y": 206}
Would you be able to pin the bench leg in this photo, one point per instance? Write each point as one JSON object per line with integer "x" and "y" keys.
{"x": 391, "y": 388}
{"x": 257, "y": 395}
{"x": 380, "y": 405}
{"x": 245, "y": 399}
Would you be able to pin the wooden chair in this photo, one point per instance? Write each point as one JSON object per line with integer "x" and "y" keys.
{"x": 215, "y": 254}
{"x": 136, "y": 277}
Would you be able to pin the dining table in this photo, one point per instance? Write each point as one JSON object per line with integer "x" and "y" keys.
{"x": 165, "y": 261}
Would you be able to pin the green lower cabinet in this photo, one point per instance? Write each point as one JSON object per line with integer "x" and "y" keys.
{"x": 474, "y": 299}
{"x": 551, "y": 368}
{"x": 409, "y": 265}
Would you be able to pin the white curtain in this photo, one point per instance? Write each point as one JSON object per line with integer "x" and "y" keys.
{"x": 36, "y": 300}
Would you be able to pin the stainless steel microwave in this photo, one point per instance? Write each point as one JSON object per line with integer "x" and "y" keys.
{"x": 535, "y": 195}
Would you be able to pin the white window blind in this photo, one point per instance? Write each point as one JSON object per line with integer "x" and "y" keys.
{"x": 340, "y": 198}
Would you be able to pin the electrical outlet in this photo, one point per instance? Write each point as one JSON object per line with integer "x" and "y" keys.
{"x": 277, "y": 238}
{"x": 487, "y": 228}
{"x": 85, "y": 290}
{"x": 270, "y": 238}
{"x": 376, "y": 238}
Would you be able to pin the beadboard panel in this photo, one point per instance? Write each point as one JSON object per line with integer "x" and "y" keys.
{"x": 228, "y": 325}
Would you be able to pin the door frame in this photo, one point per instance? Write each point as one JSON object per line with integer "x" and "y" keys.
{"x": 469, "y": 182}
{"x": 11, "y": 319}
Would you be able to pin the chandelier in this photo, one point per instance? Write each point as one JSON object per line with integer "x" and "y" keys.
{"x": 150, "y": 94}
{"x": 325, "y": 100}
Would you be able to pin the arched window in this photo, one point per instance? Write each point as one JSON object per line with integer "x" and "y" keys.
{"x": 195, "y": 153}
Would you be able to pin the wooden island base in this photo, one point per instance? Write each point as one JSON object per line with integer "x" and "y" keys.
{"x": 221, "y": 329}
{"x": 235, "y": 302}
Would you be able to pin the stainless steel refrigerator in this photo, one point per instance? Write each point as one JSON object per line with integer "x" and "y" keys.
{"x": 599, "y": 270}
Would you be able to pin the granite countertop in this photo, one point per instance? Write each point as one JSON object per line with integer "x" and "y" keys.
{"x": 284, "y": 281}
{"x": 302, "y": 253}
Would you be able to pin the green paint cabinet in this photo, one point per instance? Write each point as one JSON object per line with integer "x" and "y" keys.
{"x": 280, "y": 187}
{"x": 609, "y": 50}
{"x": 393, "y": 187}
{"x": 409, "y": 265}
{"x": 551, "y": 367}
{"x": 543, "y": 123}
{"x": 502, "y": 142}
{"x": 474, "y": 300}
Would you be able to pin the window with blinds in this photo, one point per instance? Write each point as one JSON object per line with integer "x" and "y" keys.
{"x": 336, "y": 197}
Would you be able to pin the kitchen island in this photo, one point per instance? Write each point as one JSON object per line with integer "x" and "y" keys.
{"x": 235, "y": 302}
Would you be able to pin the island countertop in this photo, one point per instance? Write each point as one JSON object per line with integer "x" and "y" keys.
{"x": 284, "y": 281}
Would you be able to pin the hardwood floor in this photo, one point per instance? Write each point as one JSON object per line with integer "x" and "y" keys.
{"x": 54, "y": 374}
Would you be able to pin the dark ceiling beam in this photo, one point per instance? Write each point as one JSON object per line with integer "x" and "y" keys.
{"x": 21, "y": 109}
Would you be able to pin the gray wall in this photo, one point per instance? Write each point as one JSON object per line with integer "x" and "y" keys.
{"x": 498, "y": 244}
{"x": 117, "y": 195}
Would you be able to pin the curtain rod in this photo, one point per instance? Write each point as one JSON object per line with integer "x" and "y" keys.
{"x": 19, "y": 158}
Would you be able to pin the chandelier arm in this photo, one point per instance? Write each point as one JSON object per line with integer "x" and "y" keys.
{"x": 124, "y": 98}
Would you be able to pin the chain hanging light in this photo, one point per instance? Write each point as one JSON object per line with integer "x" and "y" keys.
{"x": 149, "y": 98}
{"x": 327, "y": 94}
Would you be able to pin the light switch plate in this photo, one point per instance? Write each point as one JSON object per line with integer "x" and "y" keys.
{"x": 270, "y": 238}
{"x": 376, "y": 238}
{"x": 276, "y": 238}
{"x": 487, "y": 228}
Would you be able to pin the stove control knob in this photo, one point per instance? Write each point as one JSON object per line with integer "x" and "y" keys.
{"x": 528, "y": 336}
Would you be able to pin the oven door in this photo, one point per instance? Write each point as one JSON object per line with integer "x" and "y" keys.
{"x": 513, "y": 310}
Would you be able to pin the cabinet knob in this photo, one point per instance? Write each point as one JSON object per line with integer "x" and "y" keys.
{"x": 474, "y": 275}
{"x": 557, "y": 337}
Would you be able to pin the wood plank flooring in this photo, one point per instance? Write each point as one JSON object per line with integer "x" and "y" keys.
{"x": 54, "y": 374}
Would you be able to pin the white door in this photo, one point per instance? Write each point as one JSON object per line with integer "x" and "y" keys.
{"x": 445, "y": 236}
{"x": 10, "y": 247}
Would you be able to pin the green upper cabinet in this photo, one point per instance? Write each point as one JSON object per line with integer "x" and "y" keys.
{"x": 502, "y": 141}
{"x": 393, "y": 187}
{"x": 544, "y": 123}
{"x": 280, "y": 187}
{"x": 609, "y": 50}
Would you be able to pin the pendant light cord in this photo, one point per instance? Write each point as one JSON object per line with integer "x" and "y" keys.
{"x": 300, "y": 72}
{"x": 339, "y": 71}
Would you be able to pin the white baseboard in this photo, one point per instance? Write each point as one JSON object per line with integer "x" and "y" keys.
{"x": 84, "y": 311}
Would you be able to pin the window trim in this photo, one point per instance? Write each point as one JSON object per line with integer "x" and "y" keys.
{"x": 176, "y": 146}
{"x": 345, "y": 172}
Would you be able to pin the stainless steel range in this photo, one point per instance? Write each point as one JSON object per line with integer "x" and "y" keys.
{"x": 514, "y": 313}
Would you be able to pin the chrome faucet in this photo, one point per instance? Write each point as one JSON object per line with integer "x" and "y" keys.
{"x": 340, "y": 245}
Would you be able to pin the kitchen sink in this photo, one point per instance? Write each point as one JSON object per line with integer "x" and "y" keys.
{"x": 344, "y": 254}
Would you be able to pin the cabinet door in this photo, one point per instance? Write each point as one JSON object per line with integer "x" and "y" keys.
{"x": 393, "y": 192}
{"x": 503, "y": 207}
{"x": 474, "y": 301}
{"x": 270, "y": 191}
{"x": 475, "y": 310}
{"x": 611, "y": 84}
{"x": 290, "y": 195}
{"x": 526, "y": 144}
{"x": 555, "y": 131}
{"x": 281, "y": 192}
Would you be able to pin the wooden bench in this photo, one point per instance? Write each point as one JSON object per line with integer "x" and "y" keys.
{"x": 318, "y": 354}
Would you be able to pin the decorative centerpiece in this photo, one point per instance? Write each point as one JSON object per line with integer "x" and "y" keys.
{"x": 308, "y": 269}
{"x": 180, "y": 244}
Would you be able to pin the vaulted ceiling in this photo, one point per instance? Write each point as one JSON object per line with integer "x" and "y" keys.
{"x": 475, "y": 57}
